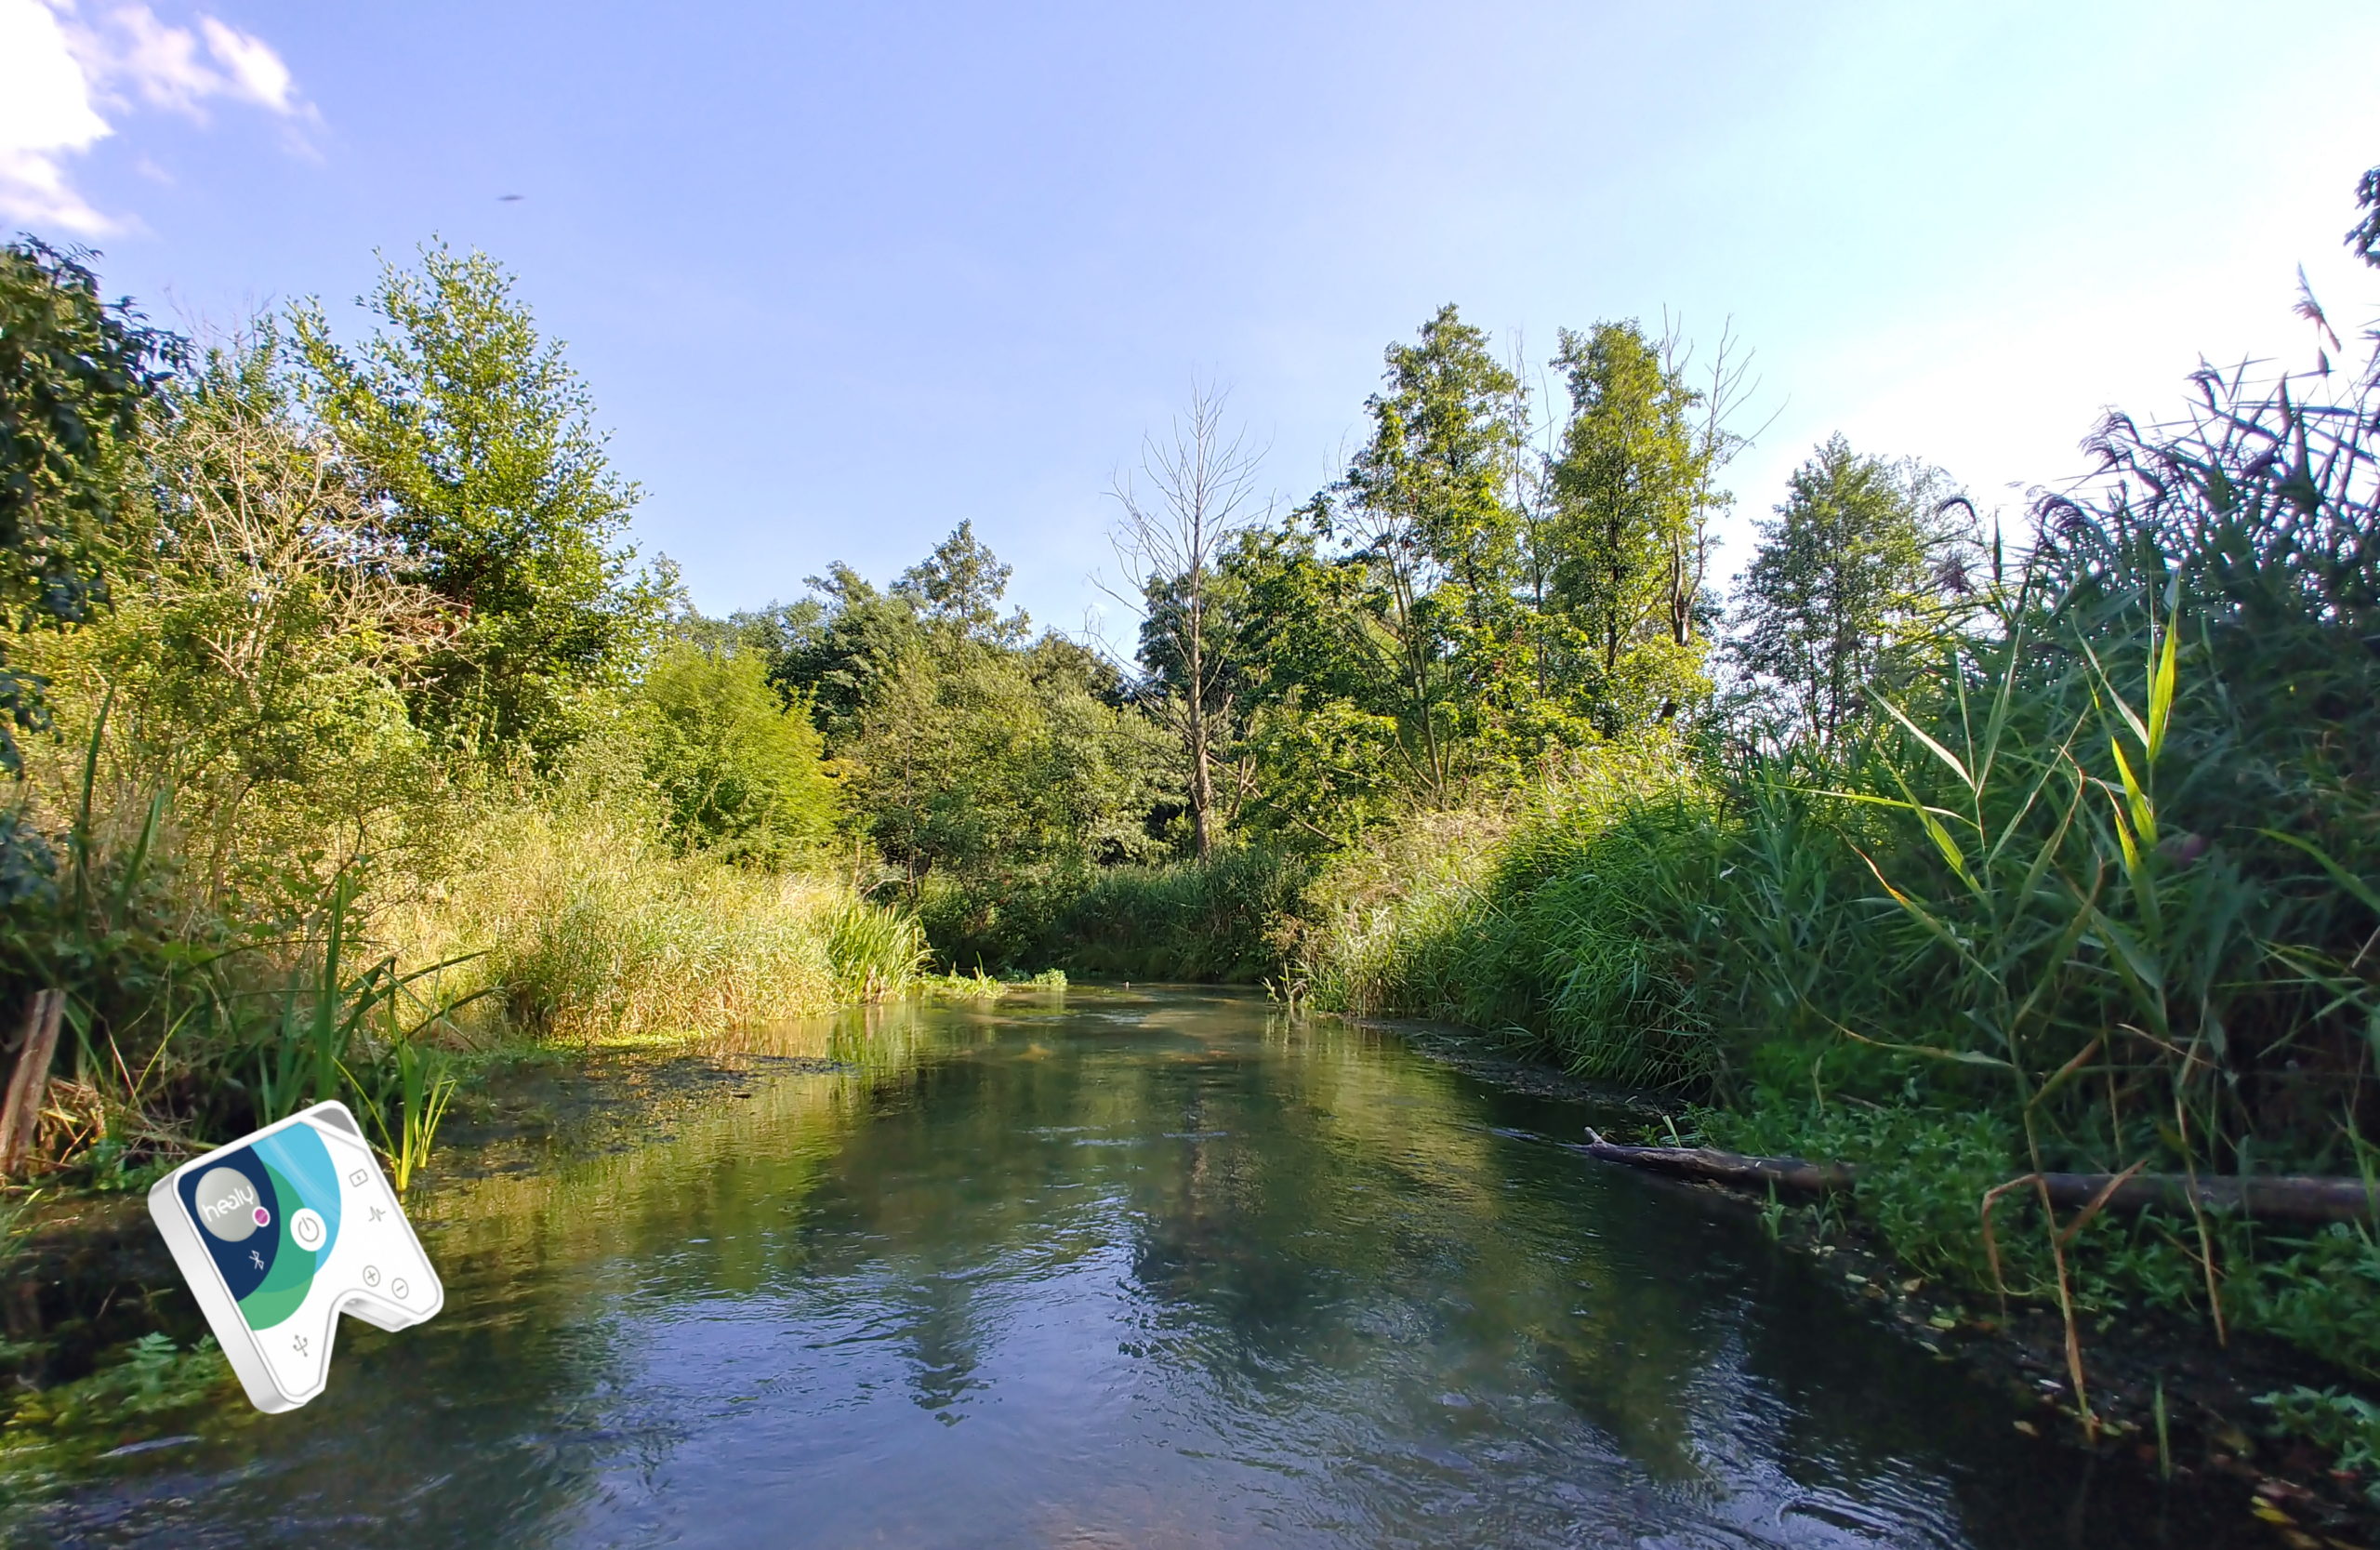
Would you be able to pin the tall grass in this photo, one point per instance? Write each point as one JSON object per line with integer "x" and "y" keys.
{"x": 570, "y": 921}
{"x": 1556, "y": 923}
{"x": 187, "y": 1028}
{"x": 1216, "y": 921}
{"x": 1210, "y": 921}
{"x": 588, "y": 928}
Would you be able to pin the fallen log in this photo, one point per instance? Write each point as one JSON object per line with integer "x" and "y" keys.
{"x": 2277, "y": 1198}
{"x": 1702, "y": 1162}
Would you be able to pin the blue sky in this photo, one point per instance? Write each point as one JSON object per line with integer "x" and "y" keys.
{"x": 840, "y": 276}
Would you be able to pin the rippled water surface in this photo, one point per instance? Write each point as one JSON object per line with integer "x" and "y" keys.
{"x": 1119, "y": 1269}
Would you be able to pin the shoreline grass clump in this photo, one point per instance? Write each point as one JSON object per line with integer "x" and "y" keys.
{"x": 1205, "y": 921}
{"x": 590, "y": 929}
{"x": 1550, "y": 922}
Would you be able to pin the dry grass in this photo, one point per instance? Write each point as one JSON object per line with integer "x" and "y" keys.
{"x": 590, "y": 929}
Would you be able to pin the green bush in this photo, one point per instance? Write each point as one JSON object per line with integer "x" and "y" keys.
{"x": 1567, "y": 924}
{"x": 739, "y": 769}
{"x": 1209, "y": 922}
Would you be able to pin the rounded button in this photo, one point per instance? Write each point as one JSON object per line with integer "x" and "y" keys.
{"x": 227, "y": 1206}
{"x": 397, "y": 1287}
{"x": 371, "y": 1275}
{"x": 305, "y": 1227}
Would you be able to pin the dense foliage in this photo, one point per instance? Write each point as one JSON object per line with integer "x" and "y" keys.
{"x": 74, "y": 373}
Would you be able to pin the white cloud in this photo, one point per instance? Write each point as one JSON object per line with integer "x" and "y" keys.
{"x": 57, "y": 71}
{"x": 255, "y": 70}
{"x": 46, "y": 113}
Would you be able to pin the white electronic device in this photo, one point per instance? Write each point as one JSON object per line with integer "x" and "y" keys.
{"x": 281, "y": 1232}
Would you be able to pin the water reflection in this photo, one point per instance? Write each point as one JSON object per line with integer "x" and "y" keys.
{"x": 1124, "y": 1270}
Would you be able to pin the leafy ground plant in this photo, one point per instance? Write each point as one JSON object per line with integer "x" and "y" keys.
{"x": 2345, "y": 1425}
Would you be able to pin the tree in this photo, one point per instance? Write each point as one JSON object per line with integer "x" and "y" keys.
{"x": 974, "y": 756}
{"x": 1632, "y": 484}
{"x": 476, "y": 438}
{"x": 957, "y": 590}
{"x": 991, "y": 767}
{"x": 1423, "y": 513}
{"x": 263, "y": 638}
{"x": 1319, "y": 752}
{"x": 74, "y": 375}
{"x": 1200, "y": 488}
{"x": 737, "y": 767}
{"x": 1849, "y": 574}
{"x": 838, "y": 649}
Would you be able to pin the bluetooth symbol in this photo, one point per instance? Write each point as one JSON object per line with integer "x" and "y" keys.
{"x": 376, "y": 1212}
{"x": 258, "y": 1258}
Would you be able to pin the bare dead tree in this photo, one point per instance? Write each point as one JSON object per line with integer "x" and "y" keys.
{"x": 1722, "y": 390}
{"x": 1195, "y": 489}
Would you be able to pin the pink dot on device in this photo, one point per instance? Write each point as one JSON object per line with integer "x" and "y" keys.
{"x": 263, "y": 1216}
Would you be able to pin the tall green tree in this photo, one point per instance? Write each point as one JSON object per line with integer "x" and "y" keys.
{"x": 1850, "y": 577}
{"x": 838, "y": 648}
{"x": 478, "y": 442}
{"x": 835, "y": 648}
{"x": 957, "y": 590}
{"x": 993, "y": 768}
{"x": 262, "y": 641}
{"x": 971, "y": 755}
{"x": 1423, "y": 517}
{"x": 74, "y": 375}
{"x": 1318, "y": 753}
{"x": 1631, "y": 489}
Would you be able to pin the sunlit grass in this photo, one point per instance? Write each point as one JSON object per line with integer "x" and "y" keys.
{"x": 591, "y": 931}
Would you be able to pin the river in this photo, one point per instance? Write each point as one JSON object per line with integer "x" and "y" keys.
{"x": 1116, "y": 1268}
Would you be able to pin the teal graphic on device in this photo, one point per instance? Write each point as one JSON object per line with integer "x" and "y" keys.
{"x": 279, "y": 1233}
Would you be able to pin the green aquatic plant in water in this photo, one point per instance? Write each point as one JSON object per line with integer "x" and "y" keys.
{"x": 425, "y": 1087}
{"x": 873, "y": 951}
{"x": 53, "y": 1436}
{"x": 981, "y": 986}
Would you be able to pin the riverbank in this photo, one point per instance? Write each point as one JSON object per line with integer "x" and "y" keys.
{"x": 2166, "y": 1396}
{"x": 2088, "y": 886}
{"x": 1716, "y": 936}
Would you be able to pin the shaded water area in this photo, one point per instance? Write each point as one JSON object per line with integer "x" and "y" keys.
{"x": 1116, "y": 1270}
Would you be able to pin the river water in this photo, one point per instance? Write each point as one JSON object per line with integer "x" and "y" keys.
{"x": 1116, "y": 1270}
